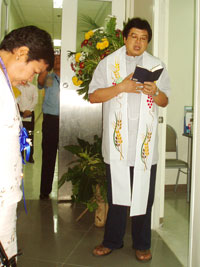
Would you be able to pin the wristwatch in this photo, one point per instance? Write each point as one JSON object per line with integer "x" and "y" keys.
{"x": 157, "y": 92}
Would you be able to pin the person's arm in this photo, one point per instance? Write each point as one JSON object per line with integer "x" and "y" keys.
{"x": 42, "y": 78}
{"x": 161, "y": 99}
{"x": 160, "y": 90}
{"x": 27, "y": 113}
{"x": 150, "y": 88}
{"x": 104, "y": 94}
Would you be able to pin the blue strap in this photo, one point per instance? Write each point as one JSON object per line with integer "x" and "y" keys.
{"x": 24, "y": 145}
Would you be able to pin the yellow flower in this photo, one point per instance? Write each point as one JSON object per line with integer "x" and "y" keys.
{"x": 77, "y": 56}
{"x": 102, "y": 45}
{"x": 79, "y": 82}
{"x": 98, "y": 46}
{"x": 88, "y": 35}
{"x": 76, "y": 81}
{"x": 106, "y": 43}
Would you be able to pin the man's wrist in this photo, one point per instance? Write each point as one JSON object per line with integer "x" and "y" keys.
{"x": 119, "y": 88}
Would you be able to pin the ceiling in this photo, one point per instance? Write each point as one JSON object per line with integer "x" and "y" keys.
{"x": 42, "y": 14}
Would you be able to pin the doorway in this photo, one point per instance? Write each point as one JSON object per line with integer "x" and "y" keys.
{"x": 175, "y": 230}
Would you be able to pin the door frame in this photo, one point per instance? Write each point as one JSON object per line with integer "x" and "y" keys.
{"x": 160, "y": 49}
{"x": 194, "y": 231}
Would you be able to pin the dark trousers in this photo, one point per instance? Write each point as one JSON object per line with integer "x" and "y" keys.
{"x": 30, "y": 125}
{"x": 117, "y": 215}
{"x": 50, "y": 136}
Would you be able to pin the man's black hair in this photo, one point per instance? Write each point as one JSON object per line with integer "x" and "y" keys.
{"x": 37, "y": 40}
{"x": 138, "y": 23}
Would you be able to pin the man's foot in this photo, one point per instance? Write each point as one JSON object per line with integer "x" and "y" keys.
{"x": 143, "y": 255}
{"x": 31, "y": 160}
{"x": 100, "y": 250}
{"x": 44, "y": 196}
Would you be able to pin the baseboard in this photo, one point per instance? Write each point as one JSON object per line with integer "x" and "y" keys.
{"x": 180, "y": 188}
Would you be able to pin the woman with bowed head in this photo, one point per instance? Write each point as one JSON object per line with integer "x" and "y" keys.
{"x": 24, "y": 52}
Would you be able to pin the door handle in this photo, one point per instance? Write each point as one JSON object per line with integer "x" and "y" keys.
{"x": 65, "y": 85}
{"x": 160, "y": 119}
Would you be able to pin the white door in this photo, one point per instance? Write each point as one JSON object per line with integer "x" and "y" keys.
{"x": 78, "y": 118}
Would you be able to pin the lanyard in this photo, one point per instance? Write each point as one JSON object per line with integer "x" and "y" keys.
{"x": 5, "y": 73}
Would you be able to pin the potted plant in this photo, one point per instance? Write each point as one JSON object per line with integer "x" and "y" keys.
{"x": 87, "y": 175}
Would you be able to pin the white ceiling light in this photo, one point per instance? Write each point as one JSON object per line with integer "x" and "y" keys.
{"x": 57, "y": 3}
{"x": 57, "y": 42}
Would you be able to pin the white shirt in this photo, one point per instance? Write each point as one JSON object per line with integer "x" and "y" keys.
{"x": 10, "y": 156}
{"x": 28, "y": 98}
{"x": 99, "y": 80}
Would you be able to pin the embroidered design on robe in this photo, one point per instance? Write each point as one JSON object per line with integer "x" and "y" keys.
{"x": 148, "y": 135}
{"x": 117, "y": 137}
{"x": 117, "y": 124}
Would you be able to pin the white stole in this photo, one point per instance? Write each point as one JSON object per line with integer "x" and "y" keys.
{"x": 118, "y": 140}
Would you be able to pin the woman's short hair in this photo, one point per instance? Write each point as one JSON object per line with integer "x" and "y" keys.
{"x": 37, "y": 40}
{"x": 138, "y": 23}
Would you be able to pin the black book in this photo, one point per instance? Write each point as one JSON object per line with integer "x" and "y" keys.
{"x": 144, "y": 75}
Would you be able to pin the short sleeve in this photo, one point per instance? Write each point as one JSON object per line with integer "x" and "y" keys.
{"x": 164, "y": 82}
{"x": 99, "y": 78}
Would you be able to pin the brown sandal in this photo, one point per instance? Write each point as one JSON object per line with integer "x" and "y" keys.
{"x": 100, "y": 250}
{"x": 143, "y": 255}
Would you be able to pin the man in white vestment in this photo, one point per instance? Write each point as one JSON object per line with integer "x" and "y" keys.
{"x": 129, "y": 145}
{"x": 24, "y": 52}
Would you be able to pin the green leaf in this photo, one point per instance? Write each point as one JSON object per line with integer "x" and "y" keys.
{"x": 82, "y": 143}
{"x": 88, "y": 22}
{"x": 62, "y": 180}
{"x": 74, "y": 149}
{"x": 110, "y": 25}
{"x": 92, "y": 206}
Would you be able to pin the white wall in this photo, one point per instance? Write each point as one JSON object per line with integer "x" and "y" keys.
{"x": 180, "y": 67}
{"x": 144, "y": 10}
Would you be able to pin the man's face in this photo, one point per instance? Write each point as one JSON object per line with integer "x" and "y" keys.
{"x": 21, "y": 71}
{"x": 136, "y": 42}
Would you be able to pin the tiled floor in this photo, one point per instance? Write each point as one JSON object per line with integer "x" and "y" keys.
{"x": 49, "y": 236}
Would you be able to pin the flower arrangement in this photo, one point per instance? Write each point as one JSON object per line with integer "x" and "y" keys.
{"x": 97, "y": 44}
